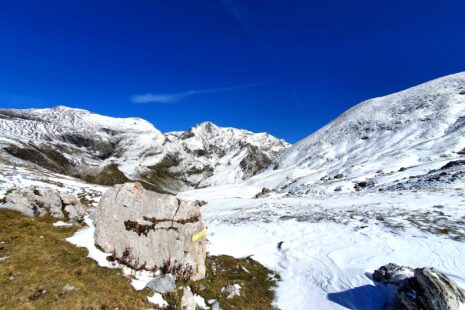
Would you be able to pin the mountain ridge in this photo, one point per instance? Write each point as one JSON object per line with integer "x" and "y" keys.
{"x": 98, "y": 148}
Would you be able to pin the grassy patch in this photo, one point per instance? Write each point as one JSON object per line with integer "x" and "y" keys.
{"x": 256, "y": 281}
{"x": 109, "y": 175}
{"x": 37, "y": 269}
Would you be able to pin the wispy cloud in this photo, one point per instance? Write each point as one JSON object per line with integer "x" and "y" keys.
{"x": 178, "y": 96}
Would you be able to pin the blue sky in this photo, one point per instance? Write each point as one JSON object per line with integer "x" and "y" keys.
{"x": 285, "y": 67}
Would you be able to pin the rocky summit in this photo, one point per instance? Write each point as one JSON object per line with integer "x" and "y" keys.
{"x": 148, "y": 230}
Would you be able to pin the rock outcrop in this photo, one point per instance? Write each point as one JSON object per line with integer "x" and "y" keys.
{"x": 430, "y": 290}
{"x": 41, "y": 201}
{"x": 421, "y": 288}
{"x": 393, "y": 274}
{"x": 148, "y": 230}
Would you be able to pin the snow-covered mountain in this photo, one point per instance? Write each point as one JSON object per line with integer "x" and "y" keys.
{"x": 410, "y": 139}
{"x": 106, "y": 150}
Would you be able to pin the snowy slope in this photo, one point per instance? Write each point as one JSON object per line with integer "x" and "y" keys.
{"x": 105, "y": 150}
{"x": 383, "y": 141}
{"x": 331, "y": 244}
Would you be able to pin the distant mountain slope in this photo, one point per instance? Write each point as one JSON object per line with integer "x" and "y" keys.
{"x": 106, "y": 150}
{"x": 383, "y": 142}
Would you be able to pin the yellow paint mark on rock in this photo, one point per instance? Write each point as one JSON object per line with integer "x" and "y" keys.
{"x": 199, "y": 235}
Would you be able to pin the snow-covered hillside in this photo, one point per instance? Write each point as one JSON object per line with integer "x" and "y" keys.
{"x": 108, "y": 150}
{"x": 406, "y": 139}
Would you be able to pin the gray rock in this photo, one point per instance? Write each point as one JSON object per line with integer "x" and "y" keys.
{"x": 231, "y": 290}
{"x": 34, "y": 201}
{"x": 162, "y": 284}
{"x": 42, "y": 201}
{"x": 149, "y": 230}
{"x": 187, "y": 300}
{"x": 73, "y": 208}
{"x": 430, "y": 290}
{"x": 216, "y": 306}
{"x": 392, "y": 274}
{"x": 68, "y": 288}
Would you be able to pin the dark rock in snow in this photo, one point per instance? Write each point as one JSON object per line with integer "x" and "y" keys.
{"x": 392, "y": 274}
{"x": 265, "y": 192}
{"x": 363, "y": 184}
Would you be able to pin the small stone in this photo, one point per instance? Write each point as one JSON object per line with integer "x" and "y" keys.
{"x": 187, "y": 300}
{"x": 162, "y": 284}
{"x": 68, "y": 288}
{"x": 37, "y": 293}
{"x": 202, "y": 287}
{"x": 3, "y": 258}
{"x": 216, "y": 306}
{"x": 231, "y": 290}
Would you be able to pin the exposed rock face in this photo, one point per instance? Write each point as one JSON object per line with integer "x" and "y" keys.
{"x": 145, "y": 229}
{"x": 40, "y": 201}
{"x": 422, "y": 288}
{"x": 430, "y": 290}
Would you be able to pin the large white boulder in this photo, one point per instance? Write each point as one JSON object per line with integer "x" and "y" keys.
{"x": 148, "y": 230}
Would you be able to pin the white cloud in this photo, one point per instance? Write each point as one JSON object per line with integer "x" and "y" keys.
{"x": 175, "y": 97}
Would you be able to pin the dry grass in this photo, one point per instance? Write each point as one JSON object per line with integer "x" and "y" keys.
{"x": 36, "y": 264}
{"x": 256, "y": 281}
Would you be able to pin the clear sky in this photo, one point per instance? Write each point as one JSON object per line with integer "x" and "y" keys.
{"x": 285, "y": 67}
